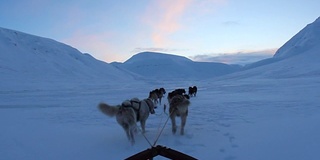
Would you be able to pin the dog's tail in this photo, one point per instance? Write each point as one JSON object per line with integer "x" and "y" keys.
{"x": 108, "y": 110}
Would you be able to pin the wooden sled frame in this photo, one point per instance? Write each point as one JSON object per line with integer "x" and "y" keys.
{"x": 148, "y": 154}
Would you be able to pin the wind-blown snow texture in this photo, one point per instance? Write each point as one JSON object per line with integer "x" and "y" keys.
{"x": 263, "y": 113}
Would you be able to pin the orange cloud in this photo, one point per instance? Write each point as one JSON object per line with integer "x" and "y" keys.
{"x": 163, "y": 17}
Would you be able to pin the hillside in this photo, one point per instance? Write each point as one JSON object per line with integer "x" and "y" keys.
{"x": 298, "y": 57}
{"x": 28, "y": 61}
{"x": 306, "y": 40}
{"x": 163, "y": 66}
{"x": 31, "y": 60}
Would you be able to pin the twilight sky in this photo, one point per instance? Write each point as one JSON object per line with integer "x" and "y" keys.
{"x": 230, "y": 31}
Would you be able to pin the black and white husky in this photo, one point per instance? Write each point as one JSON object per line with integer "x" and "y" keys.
{"x": 129, "y": 113}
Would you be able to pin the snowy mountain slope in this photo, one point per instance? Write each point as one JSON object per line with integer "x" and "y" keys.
{"x": 299, "y": 57}
{"x": 144, "y": 57}
{"x": 299, "y": 66}
{"x": 304, "y": 42}
{"x": 307, "y": 39}
{"x": 28, "y": 58}
{"x": 166, "y": 66}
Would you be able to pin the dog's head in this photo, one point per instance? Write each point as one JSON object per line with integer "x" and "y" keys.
{"x": 162, "y": 90}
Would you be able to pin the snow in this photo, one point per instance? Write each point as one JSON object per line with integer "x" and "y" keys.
{"x": 49, "y": 111}
{"x": 240, "y": 119}
{"x": 307, "y": 39}
{"x": 35, "y": 60}
{"x": 163, "y": 66}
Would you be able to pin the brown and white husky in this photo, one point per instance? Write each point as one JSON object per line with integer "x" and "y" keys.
{"x": 178, "y": 108}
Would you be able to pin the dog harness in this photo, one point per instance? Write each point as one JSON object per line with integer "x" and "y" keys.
{"x": 137, "y": 110}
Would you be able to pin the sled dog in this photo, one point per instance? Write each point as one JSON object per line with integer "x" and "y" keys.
{"x": 157, "y": 94}
{"x": 178, "y": 108}
{"x": 129, "y": 113}
{"x": 179, "y": 91}
{"x": 193, "y": 91}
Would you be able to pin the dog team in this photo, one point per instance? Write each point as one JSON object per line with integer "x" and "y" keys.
{"x": 129, "y": 112}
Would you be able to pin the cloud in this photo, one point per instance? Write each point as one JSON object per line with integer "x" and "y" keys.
{"x": 242, "y": 58}
{"x": 163, "y": 17}
{"x": 166, "y": 17}
{"x": 94, "y": 44}
{"x": 230, "y": 23}
{"x": 166, "y": 50}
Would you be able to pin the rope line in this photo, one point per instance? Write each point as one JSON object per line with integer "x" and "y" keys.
{"x": 157, "y": 138}
{"x": 147, "y": 139}
{"x": 155, "y": 142}
{"x": 160, "y": 122}
{"x": 158, "y": 130}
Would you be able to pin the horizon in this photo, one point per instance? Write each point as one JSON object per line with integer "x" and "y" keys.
{"x": 218, "y": 30}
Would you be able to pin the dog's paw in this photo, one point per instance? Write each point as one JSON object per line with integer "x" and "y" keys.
{"x": 182, "y": 132}
{"x": 174, "y": 130}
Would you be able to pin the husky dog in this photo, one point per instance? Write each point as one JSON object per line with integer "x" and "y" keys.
{"x": 153, "y": 96}
{"x": 193, "y": 91}
{"x": 128, "y": 113}
{"x": 178, "y": 107}
{"x": 179, "y": 91}
{"x": 160, "y": 93}
{"x": 157, "y": 94}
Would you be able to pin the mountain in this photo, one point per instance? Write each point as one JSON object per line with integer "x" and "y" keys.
{"x": 31, "y": 60}
{"x": 36, "y": 62}
{"x": 163, "y": 66}
{"x": 307, "y": 39}
{"x": 298, "y": 57}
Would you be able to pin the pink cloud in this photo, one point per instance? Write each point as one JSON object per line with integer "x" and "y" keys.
{"x": 163, "y": 17}
{"x": 97, "y": 45}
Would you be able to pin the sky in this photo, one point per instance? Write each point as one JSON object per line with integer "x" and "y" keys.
{"x": 229, "y": 31}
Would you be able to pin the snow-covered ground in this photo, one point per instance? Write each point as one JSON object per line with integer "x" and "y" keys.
{"x": 229, "y": 119}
